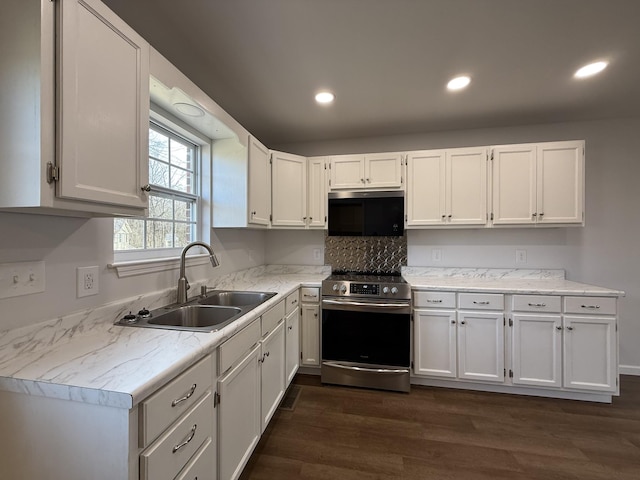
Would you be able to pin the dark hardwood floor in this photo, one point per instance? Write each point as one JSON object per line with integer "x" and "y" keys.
{"x": 435, "y": 433}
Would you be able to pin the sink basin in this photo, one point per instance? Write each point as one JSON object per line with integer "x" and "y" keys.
{"x": 196, "y": 316}
{"x": 235, "y": 298}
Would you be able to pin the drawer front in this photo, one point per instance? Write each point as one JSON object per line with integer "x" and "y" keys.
{"x": 434, "y": 299}
{"x": 163, "y": 407}
{"x": 271, "y": 318}
{"x": 537, "y": 303}
{"x": 587, "y": 305}
{"x": 310, "y": 295}
{"x": 234, "y": 348}
{"x": 291, "y": 303}
{"x": 200, "y": 467}
{"x": 171, "y": 452}
{"x": 481, "y": 301}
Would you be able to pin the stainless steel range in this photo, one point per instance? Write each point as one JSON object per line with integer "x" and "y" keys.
{"x": 366, "y": 331}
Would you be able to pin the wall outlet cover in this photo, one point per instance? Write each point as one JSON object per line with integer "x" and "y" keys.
{"x": 87, "y": 281}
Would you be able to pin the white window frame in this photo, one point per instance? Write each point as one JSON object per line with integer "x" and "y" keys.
{"x": 136, "y": 262}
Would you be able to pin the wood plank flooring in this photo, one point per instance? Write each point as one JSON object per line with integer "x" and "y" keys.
{"x": 436, "y": 433}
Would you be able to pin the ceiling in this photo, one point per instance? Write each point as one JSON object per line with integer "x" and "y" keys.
{"x": 388, "y": 61}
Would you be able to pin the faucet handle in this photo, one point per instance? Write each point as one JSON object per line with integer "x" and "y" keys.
{"x": 203, "y": 290}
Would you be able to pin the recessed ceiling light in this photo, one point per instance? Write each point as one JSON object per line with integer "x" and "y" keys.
{"x": 325, "y": 97}
{"x": 458, "y": 83}
{"x": 591, "y": 69}
{"x": 188, "y": 109}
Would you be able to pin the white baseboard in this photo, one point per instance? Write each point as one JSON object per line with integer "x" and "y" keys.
{"x": 629, "y": 370}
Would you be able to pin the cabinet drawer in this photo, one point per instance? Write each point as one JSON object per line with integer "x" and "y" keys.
{"x": 595, "y": 305}
{"x": 434, "y": 299}
{"x": 536, "y": 303}
{"x": 291, "y": 303}
{"x": 163, "y": 407}
{"x": 481, "y": 301}
{"x": 171, "y": 452}
{"x": 234, "y": 348}
{"x": 271, "y": 318}
{"x": 200, "y": 467}
{"x": 310, "y": 294}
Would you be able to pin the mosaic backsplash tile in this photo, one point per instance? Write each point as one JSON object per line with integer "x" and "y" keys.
{"x": 375, "y": 254}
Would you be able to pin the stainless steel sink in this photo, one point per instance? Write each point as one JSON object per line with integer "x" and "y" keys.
{"x": 206, "y": 313}
{"x": 234, "y": 298}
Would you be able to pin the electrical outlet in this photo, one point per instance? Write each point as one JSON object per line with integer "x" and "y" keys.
{"x": 87, "y": 281}
{"x": 436, "y": 254}
{"x": 521, "y": 256}
{"x": 316, "y": 253}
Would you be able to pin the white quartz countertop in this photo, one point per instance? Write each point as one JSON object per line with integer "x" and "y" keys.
{"x": 85, "y": 357}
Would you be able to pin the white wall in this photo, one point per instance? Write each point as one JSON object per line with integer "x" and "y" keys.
{"x": 67, "y": 243}
{"x": 294, "y": 247}
{"x": 605, "y": 252}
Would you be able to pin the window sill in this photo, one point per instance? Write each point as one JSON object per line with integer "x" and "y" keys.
{"x": 155, "y": 265}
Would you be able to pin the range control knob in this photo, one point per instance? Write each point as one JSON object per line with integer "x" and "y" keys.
{"x": 394, "y": 290}
{"x": 385, "y": 289}
{"x": 343, "y": 289}
{"x": 335, "y": 287}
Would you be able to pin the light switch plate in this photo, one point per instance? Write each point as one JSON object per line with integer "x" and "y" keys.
{"x": 21, "y": 278}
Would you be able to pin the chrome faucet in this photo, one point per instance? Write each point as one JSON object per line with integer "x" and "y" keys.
{"x": 183, "y": 284}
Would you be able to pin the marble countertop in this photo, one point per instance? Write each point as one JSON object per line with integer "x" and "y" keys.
{"x": 85, "y": 357}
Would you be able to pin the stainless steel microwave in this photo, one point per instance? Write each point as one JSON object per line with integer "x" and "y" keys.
{"x": 366, "y": 214}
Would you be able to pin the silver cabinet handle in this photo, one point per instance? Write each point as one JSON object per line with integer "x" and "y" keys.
{"x": 480, "y": 303}
{"x": 558, "y": 327}
{"x": 537, "y": 304}
{"x": 449, "y": 216}
{"x": 590, "y": 307}
{"x": 569, "y": 328}
{"x": 453, "y": 322}
{"x": 186, "y": 397}
{"x": 290, "y": 327}
{"x": 189, "y": 438}
{"x": 434, "y": 301}
{"x": 463, "y": 322}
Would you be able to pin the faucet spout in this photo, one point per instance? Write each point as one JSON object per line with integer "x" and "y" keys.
{"x": 183, "y": 284}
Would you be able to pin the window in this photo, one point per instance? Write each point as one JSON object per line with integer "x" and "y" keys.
{"x": 173, "y": 200}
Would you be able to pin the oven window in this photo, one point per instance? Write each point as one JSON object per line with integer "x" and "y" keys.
{"x": 371, "y": 338}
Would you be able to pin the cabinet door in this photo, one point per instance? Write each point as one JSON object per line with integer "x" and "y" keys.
{"x": 317, "y": 193}
{"x": 346, "y": 171}
{"x": 310, "y": 335}
{"x": 292, "y": 345}
{"x": 560, "y": 182}
{"x": 239, "y": 415}
{"x": 103, "y": 114}
{"x": 425, "y": 188}
{"x": 289, "y": 190}
{"x": 383, "y": 170}
{"x": 259, "y": 183}
{"x": 514, "y": 184}
{"x": 590, "y": 356}
{"x": 537, "y": 350}
{"x": 272, "y": 372}
{"x": 481, "y": 346}
{"x": 466, "y": 187}
{"x": 435, "y": 343}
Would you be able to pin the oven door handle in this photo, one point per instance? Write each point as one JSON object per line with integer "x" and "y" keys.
{"x": 364, "y": 304}
{"x": 365, "y": 369}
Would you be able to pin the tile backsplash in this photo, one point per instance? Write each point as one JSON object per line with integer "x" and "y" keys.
{"x": 376, "y": 254}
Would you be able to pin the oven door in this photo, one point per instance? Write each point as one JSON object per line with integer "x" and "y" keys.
{"x": 366, "y": 343}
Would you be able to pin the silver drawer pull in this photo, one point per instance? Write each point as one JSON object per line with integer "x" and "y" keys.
{"x": 189, "y": 438}
{"x": 186, "y": 397}
{"x": 537, "y": 304}
{"x": 591, "y": 307}
{"x": 309, "y": 296}
{"x": 434, "y": 301}
{"x": 480, "y": 303}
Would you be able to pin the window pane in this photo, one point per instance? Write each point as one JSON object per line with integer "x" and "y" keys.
{"x": 158, "y": 173}
{"x": 128, "y": 234}
{"x": 184, "y": 211}
{"x": 180, "y": 155}
{"x": 181, "y": 180}
{"x": 158, "y": 145}
{"x": 160, "y": 207}
{"x": 184, "y": 234}
{"x": 159, "y": 234}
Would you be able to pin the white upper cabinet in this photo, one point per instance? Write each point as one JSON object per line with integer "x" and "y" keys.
{"x": 538, "y": 183}
{"x": 317, "y": 192}
{"x": 259, "y": 183}
{"x": 88, "y": 152}
{"x": 447, "y": 187}
{"x": 375, "y": 171}
{"x": 289, "y": 201}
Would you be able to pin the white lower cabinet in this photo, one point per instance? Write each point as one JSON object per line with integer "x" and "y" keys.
{"x": 435, "y": 348}
{"x": 310, "y": 327}
{"x": 481, "y": 346}
{"x": 272, "y": 372}
{"x": 292, "y": 344}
